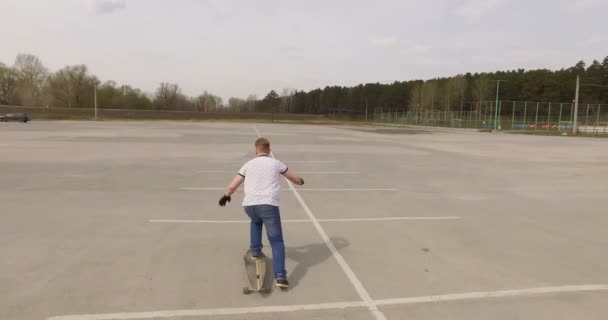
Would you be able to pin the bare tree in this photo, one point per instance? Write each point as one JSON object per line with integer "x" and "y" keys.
{"x": 416, "y": 98}
{"x": 8, "y": 85}
{"x": 481, "y": 89}
{"x": 80, "y": 82}
{"x": 59, "y": 88}
{"x": 236, "y": 104}
{"x": 71, "y": 86}
{"x": 167, "y": 96}
{"x": 208, "y": 102}
{"x": 286, "y": 99}
{"x": 429, "y": 94}
{"x": 251, "y": 103}
{"x": 454, "y": 92}
{"x": 459, "y": 87}
{"x": 32, "y": 77}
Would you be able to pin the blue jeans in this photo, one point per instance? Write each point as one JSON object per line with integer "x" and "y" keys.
{"x": 270, "y": 216}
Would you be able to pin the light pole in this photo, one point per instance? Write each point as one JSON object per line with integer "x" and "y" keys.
{"x": 575, "y": 120}
{"x": 496, "y": 106}
{"x": 95, "y": 98}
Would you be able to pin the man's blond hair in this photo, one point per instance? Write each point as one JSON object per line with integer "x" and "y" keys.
{"x": 262, "y": 144}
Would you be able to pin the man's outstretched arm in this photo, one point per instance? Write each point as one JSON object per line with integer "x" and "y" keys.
{"x": 293, "y": 177}
{"x": 234, "y": 185}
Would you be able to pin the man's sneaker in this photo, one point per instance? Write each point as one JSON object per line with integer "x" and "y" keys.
{"x": 255, "y": 255}
{"x": 282, "y": 283}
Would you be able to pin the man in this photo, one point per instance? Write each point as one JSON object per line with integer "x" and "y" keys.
{"x": 262, "y": 177}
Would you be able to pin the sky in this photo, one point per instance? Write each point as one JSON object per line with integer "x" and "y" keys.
{"x": 238, "y": 48}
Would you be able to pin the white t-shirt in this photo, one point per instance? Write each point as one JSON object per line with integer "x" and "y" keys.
{"x": 262, "y": 181}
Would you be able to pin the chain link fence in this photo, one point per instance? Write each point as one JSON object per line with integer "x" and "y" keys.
{"x": 521, "y": 116}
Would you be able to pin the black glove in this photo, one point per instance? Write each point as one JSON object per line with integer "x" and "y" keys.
{"x": 301, "y": 181}
{"x": 224, "y": 199}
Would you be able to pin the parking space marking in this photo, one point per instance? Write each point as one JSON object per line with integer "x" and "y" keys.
{"x": 299, "y": 172}
{"x": 210, "y": 312}
{"x": 304, "y": 220}
{"x": 339, "y": 305}
{"x": 492, "y": 294}
{"x": 286, "y": 161}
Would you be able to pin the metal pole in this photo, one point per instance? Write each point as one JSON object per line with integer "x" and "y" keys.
{"x": 587, "y": 116}
{"x": 365, "y": 109}
{"x": 496, "y": 106}
{"x": 574, "y": 122}
{"x": 95, "y": 99}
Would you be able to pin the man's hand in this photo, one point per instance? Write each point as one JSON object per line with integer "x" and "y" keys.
{"x": 236, "y": 182}
{"x": 224, "y": 199}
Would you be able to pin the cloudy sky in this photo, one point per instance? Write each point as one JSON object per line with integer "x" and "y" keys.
{"x": 237, "y": 48}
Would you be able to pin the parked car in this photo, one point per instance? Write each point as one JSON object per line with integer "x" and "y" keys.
{"x": 19, "y": 117}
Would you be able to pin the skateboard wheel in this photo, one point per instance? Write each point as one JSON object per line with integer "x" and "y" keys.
{"x": 247, "y": 290}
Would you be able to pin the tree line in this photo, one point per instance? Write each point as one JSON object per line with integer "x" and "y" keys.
{"x": 28, "y": 82}
{"x": 461, "y": 92}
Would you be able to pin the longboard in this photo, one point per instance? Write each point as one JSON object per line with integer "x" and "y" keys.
{"x": 256, "y": 273}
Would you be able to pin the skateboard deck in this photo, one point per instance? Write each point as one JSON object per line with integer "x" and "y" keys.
{"x": 256, "y": 273}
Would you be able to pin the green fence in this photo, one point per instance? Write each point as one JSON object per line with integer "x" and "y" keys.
{"x": 509, "y": 116}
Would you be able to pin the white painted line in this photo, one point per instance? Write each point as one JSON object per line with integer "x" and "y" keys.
{"x": 301, "y": 189}
{"x": 493, "y": 294}
{"x": 286, "y": 161}
{"x": 199, "y": 221}
{"x": 215, "y": 221}
{"x": 300, "y": 220}
{"x": 309, "y": 161}
{"x": 389, "y": 219}
{"x": 337, "y": 305}
{"x": 350, "y": 274}
{"x": 300, "y": 172}
{"x": 346, "y": 190}
{"x": 209, "y": 312}
{"x": 329, "y": 172}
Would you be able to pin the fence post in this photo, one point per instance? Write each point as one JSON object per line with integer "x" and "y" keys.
{"x": 525, "y": 113}
{"x": 499, "y": 113}
{"x": 575, "y": 122}
{"x": 549, "y": 117}
{"x": 560, "y": 116}
{"x": 597, "y": 120}
{"x": 536, "y": 118}
{"x": 513, "y": 117}
{"x": 572, "y": 114}
{"x": 587, "y": 117}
